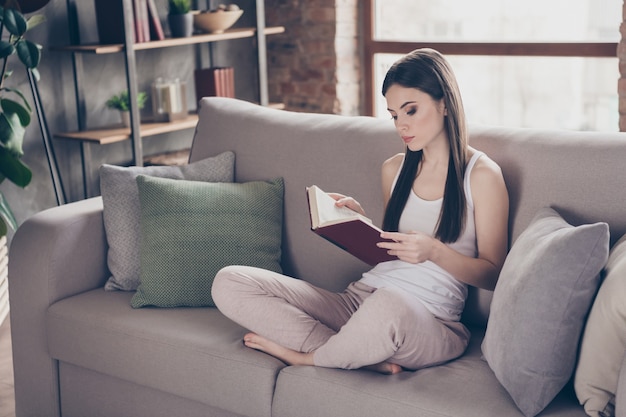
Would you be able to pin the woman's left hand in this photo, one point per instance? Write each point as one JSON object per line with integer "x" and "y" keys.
{"x": 413, "y": 247}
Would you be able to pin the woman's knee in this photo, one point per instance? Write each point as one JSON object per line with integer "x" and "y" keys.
{"x": 225, "y": 285}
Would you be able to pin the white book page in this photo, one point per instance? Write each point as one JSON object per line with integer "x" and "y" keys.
{"x": 329, "y": 213}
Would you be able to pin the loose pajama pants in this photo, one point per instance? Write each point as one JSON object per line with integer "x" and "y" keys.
{"x": 358, "y": 327}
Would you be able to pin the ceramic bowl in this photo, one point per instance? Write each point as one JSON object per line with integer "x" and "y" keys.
{"x": 216, "y": 22}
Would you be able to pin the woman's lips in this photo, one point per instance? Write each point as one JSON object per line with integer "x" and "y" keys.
{"x": 407, "y": 139}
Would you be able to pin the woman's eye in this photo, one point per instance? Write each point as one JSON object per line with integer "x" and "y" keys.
{"x": 411, "y": 112}
{"x": 393, "y": 117}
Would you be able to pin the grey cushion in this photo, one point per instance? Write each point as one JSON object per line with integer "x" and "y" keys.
{"x": 190, "y": 230}
{"x": 121, "y": 209}
{"x": 544, "y": 292}
{"x": 604, "y": 341}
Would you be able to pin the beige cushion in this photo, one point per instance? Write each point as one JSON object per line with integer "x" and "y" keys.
{"x": 604, "y": 340}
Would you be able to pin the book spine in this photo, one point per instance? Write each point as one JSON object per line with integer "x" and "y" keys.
{"x": 145, "y": 22}
{"x": 110, "y": 20}
{"x": 156, "y": 29}
{"x": 230, "y": 82}
{"x": 222, "y": 84}
{"x": 206, "y": 82}
{"x": 137, "y": 21}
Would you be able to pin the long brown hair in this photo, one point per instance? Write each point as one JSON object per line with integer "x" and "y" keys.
{"x": 428, "y": 71}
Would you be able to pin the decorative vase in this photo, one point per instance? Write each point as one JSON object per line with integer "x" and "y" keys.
{"x": 181, "y": 25}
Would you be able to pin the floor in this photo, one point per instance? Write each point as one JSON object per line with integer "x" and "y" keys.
{"x": 7, "y": 399}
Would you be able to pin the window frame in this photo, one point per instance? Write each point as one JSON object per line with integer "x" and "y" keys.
{"x": 372, "y": 47}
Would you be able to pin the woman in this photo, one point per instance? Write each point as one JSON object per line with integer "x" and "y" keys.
{"x": 446, "y": 214}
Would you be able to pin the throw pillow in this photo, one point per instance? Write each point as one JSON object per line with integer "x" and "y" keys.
{"x": 121, "y": 209}
{"x": 544, "y": 292}
{"x": 604, "y": 340}
{"x": 190, "y": 230}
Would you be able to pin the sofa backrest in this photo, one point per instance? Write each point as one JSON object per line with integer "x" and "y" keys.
{"x": 581, "y": 174}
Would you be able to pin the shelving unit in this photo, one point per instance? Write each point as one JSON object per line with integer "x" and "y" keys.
{"x": 139, "y": 130}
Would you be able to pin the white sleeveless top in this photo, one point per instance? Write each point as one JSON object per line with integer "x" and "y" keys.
{"x": 441, "y": 293}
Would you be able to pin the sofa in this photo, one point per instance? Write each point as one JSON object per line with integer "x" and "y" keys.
{"x": 80, "y": 350}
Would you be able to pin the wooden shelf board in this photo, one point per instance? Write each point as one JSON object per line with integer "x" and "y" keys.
{"x": 195, "y": 39}
{"x": 180, "y": 157}
{"x": 105, "y": 136}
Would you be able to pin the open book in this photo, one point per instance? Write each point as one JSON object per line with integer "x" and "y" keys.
{"x": 345, "y": 228}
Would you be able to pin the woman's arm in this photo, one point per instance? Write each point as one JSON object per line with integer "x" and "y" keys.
{"x": 491, "y": 210}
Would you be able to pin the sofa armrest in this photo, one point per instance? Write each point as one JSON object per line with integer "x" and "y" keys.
{"x": 620, "y": 395}
{"x": 55, "y": 254}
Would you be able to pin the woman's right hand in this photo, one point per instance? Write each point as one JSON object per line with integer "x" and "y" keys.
{"x": 345, "y": 201}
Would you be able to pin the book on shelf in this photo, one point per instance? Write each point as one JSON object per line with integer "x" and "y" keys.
{"x": 345, "y": 228}
{"x": 142, "y": 28}
{"x": 110, "y": 21}
{"x": 215, "y": 82}
{"x": 156, "y": 29}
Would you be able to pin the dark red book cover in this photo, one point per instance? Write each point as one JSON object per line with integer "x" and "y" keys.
{"x": 345, "y": 228}
{"x": 358, "y": 238}
{"x": 156, "y": 29}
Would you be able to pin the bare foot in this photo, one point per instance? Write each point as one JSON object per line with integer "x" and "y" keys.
{"x": 386, "y": 368}
{"x": 290, "y": 357}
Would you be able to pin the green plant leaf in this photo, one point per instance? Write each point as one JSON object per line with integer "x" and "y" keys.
{"x": 11, "y": 133}
{"x": 6, "y": 49}
{"x": 19, "y": 93}
{"x": 6, "y": 216}
{"x": 10, "y": 106}
{"x": 29, "y": 53}
{"x": 14, "y": 169}
{"x": 15, "y": 22}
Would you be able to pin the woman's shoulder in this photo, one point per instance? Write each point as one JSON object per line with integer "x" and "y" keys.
{"x": 393, "y": 163}
{"x": 486, "y": 173}
{"x": 484, "y": 165}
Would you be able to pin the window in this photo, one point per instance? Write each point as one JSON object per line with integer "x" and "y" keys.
{"x": 532, "y": 64}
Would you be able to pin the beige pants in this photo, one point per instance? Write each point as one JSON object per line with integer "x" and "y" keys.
{"x": 358, "y": 327}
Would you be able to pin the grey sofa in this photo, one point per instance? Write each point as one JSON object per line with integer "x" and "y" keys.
{"x": 84, "y": 352}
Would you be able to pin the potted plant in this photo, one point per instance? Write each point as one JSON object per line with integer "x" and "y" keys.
{"x": 180, "y": 18}
{"x": 121, "y": 102}
{"x": 15, "y": 112}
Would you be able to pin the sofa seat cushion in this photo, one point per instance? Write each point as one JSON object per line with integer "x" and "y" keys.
{"x": 194, "y": 353}
{"x": 464, "y": 387}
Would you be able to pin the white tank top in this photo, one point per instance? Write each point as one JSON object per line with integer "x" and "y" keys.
{"x": 442, "y": 294}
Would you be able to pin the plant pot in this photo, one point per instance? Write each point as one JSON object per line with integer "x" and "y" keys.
{"x": 125, "y": 115}
{"x": 181, "y": 25}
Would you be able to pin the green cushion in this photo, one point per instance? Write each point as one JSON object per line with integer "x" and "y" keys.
{"x": 190, "y": 230}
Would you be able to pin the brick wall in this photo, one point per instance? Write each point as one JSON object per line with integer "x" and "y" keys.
{"x": 314, "y": 65}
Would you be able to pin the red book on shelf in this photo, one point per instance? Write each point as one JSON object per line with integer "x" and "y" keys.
{"x": 136, "y": 22}
{"x": 218, "y": 82}
{"x": 156, "y": 29}
{"x": 352, "y": 232}
{"x": 206, "y": 83}
{"x": 230, "y": 82}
